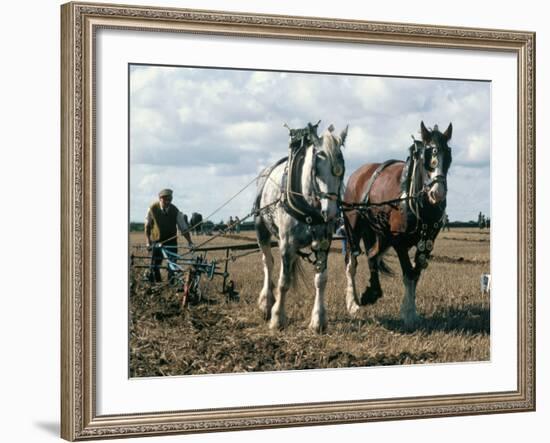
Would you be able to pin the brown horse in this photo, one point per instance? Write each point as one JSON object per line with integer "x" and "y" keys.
{"x": 401, "y": 205}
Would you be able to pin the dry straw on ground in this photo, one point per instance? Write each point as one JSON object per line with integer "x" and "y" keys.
{"x": 221, "y": 336}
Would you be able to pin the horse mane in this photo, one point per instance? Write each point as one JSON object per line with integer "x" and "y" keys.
{"x": 331, "y": 145}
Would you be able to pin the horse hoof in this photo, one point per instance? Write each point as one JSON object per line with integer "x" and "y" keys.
{"x": 265, "y": 303}
{"x": 276, "y": 326}
{"x": 370, "y": 296}
{"x": 266, "y": 313}
{"x": 318, "y": 321}
{"x": 277, "y": 322}
{"x": 410, "y": 321}
{"x": 353, "y": 308}
{"x": 318, "y": 327}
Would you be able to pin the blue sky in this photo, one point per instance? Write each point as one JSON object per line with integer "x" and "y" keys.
{"x": 206, "y": 133}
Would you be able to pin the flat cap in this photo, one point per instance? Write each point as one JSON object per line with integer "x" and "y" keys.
{"x": 166, "y": 193}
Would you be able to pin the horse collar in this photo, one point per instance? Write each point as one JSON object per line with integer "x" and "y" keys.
{"x": 293, "y": 201}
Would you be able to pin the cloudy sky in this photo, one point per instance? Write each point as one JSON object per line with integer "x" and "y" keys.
{"x": 206, "y": 133}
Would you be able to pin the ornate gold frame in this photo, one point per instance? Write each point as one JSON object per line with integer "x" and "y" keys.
{"x": 79, "y": 420}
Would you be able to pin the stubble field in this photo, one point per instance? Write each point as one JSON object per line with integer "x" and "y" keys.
{"x": 223, "y": 336}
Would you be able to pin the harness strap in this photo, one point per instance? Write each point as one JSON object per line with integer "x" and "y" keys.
{"x": 377, "y": 172}
{"x": 294, "y": 202}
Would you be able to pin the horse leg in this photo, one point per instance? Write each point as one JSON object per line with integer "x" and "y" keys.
{"x": 318, "y": 314}
{"x": 266, "y": 298}
{"x": 278, "y": 315}
{"x": 410, "y": 280}
{"x": 374, "y": 249}
{"x": 373, "y": 291}
{"x": 351, "y": 291}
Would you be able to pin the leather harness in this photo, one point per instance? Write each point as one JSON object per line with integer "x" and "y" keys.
{"x": 365, "y": 197}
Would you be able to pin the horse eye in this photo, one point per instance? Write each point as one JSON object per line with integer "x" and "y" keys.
{"x": 434, "y": 151}
{"x": 337, "y": 170}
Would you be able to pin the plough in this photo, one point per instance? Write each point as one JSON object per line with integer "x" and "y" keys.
{"x": 186, "y": 270}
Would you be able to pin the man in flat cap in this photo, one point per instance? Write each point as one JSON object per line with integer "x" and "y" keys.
{"x": 161, "y": 224}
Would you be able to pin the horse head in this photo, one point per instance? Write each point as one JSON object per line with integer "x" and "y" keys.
{"x": 328, "y": 169}
{"x": 436, "y": 160}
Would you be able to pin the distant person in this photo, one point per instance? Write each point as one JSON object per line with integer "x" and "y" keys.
{"x": 230, "y": 223}
{"x": 446, "y": 223}
{"x": 341, "y": 231}
{"x": 237, "y": 224}
{"x": 161, "y": 224}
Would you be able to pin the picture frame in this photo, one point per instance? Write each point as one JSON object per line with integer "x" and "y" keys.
{"x": 81, "y": 23}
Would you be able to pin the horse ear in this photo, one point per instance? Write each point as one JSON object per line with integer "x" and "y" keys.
{"x": 449, "y": 132}
{"x": 343, "y": 135}
{"x": 313, "y": 128}
{"x": 426, "y": 135}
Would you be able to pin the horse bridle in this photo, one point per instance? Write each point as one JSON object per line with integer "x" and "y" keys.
{"x": 336, "y": 170}
{"x": 418, "y": 154}
{"x": 294, "y": 201}
{"x": 434, "y": 163}
{"x": 440, "y": 178}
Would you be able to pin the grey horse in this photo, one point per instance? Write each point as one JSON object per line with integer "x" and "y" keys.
{"x": 297, "y": 203}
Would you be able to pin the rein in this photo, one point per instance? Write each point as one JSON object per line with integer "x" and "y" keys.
{"x": 346, "y": 206}
{"x": 416, "y": 190}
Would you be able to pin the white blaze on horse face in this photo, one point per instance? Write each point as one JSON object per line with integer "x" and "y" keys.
{"x": 438, "y": 191}
{"x": 329, "y": 206}
{"x": 325, "y": 190}
{"x": 329, "y": 169}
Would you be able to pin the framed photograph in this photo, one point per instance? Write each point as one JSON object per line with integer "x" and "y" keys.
{"x": 275, "y": 221}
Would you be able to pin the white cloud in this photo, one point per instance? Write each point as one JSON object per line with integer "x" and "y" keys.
{"x": 249, "y": 136}
{"x": 201, "y": 131}
{"x": 147, "y": 120}
{"x": 143, "y": 77}
{"x": 477, "y": 148}
{"x": 261, "y": 82}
